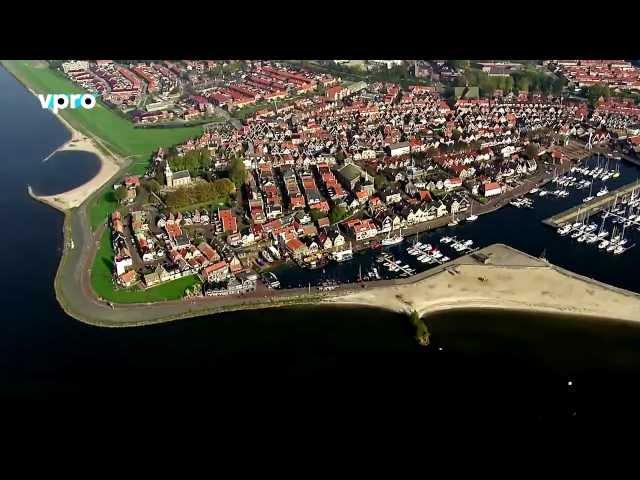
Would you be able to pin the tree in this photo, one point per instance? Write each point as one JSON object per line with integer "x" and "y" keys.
{"x": 152, "y": 186}
{"x": 522, "y": 84}
{"x": 316, "y": 214}
{"x": 379, "y": 182}
{"x": 121, "y": 194}
{"x": 532, "y": 150}
{"x": 596, "y": 91}
{"x": 196, "y": 161}
{"x": 237, "y": 172}
{"x": 458, "y": 64}
{"x": 337, "y": 213}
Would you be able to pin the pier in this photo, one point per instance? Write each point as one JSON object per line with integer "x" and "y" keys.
{"x": 592, "y": 207}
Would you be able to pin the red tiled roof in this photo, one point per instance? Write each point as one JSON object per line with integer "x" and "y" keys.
{"x": 295, "y": 244}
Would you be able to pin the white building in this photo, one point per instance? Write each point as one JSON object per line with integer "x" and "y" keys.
{"x": 402, "y": 148}
{"x": 178, "y": 179}
{"x": 75, "y": 65}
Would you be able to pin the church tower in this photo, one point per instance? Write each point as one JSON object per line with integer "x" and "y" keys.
{"x": 168, "y": 175}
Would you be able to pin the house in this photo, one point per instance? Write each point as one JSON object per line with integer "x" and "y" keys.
{"x": 349, "y": 175}
{"x": 121, "y": 264}
{"x": 384, "y": 222}
{"x": 159, "y": 275}
{"x": 216, "y": 272}
{"x": 441, "y": 209}
{"x": 229, "y": 223}
{"x": 131, "y": 181}
{"x": 362, "y": 196}
{"x": 323, "y": 222}
{"x": 130, "y": 196}
{"x": 128, "y": 278}
{"x": 234, "y": 239}
{"x": 336, "y": 93}
{"x": 297, "y": 249}
{"x": 490, "y": 189}
{"x": 634, "y": 143}
{"x": 302, "y": 217}
{"x": 452, "y": 183}
{"x": 398, "y": 149}
{"x": 336, "y": 237}
{"x": 312, "y": 245}
{"x": 324, "y": 240}
{"x": 309, "y": 231}
{"x": 362, "y": 229}
{"x": 391, "y": 196}
{"x": 235, "y": 265}
{"x": 425, "y": 196}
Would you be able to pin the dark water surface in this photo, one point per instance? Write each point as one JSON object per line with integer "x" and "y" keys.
{"x": 509, "y": 364}
{"x": 64, "y": 171}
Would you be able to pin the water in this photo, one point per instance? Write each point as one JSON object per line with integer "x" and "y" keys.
{"x": 64, "y": 171}
{"x": 511, "y": 360}
{"x": 521, "y": 228}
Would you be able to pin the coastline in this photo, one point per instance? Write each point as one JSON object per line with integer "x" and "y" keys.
{"x": 533, "y": 285}
{"x": 110, "y": 166}
{"x": 110, "y": 163}
{"x": 76, "y": 296}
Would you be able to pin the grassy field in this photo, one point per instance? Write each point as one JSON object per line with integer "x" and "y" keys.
{"x": 117, "y": 133}
{"x": 103, "y": 285}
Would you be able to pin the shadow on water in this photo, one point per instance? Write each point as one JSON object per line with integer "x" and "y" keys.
{"x": 65, "y": 171}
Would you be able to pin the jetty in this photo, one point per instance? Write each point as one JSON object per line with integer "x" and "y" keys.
{"x": 591, "y": 207}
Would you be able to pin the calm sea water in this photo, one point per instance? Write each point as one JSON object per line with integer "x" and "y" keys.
{"x": 53, "y": 176}
{"x": 510, "y": 364}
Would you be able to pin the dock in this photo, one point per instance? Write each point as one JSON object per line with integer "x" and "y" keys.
{"x": 592, "y": 207}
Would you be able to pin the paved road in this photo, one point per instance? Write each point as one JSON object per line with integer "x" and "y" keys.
{"x": 73, "y": 281}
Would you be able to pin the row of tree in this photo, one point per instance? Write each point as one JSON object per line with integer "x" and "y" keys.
{"x": 217, "y": 191}
{"x": 237, "y": 172}
{"x": 528, "y": 80}
{"x": 196, "y": 161}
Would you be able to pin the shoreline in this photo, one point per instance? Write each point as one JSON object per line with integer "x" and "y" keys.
{"x": 110, "y": 163}
{"x": 533, "y": 286}
{"x": 433, "y": 291}
{"x": 110, "y": 166}
{"x": 76, "y": 296}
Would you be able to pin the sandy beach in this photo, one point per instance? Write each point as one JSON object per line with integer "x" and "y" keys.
{"x": 110, "y": 164}
{"x": 511, "y": 280}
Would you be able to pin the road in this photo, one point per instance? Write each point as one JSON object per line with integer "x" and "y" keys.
{"x": 73, "y": 281}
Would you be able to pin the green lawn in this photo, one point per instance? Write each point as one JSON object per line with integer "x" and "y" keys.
{"x": 117, "y": 133}
{"x": 104, "y": 287}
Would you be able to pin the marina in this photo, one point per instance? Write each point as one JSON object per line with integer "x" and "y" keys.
{"x": 594, "y": 205}
{"x": 525, "y": 228}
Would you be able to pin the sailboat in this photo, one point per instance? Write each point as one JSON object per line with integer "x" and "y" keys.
{"x": 472, "y": 217}
{"x": 393, "y": 240}
{"x": 602, "y": 233}
{"x": 453, "y": 222}
{"x": 616, "y": 173}
{"x": 603, "y": 191}
{"x": 590, "y": 197}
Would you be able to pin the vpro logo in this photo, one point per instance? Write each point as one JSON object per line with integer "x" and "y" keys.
{"x": 60, "y": 101}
